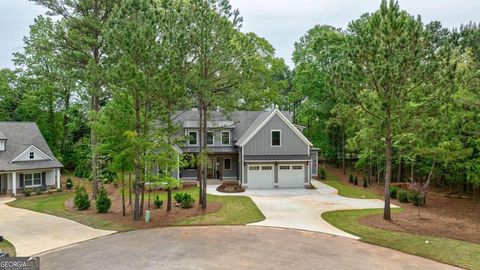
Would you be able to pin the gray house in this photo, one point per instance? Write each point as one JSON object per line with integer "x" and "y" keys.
{"x": 26, "y": 161}
{"x": 257, "y": 149}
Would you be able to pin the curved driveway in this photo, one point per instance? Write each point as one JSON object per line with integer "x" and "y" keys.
{"x": 235, "y": 247}
{"x": 32, "y": 232}
{"x": 299, "y": 208}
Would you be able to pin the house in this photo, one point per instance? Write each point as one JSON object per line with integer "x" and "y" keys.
{"x": 256, "y": 149}
{"x": 26, "y": 161}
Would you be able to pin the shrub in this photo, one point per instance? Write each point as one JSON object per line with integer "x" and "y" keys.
{"x": 416, "y": 197}
{"x": 69, "y": 183}
{"x": 27, "y": 192}
{"x": 38, "y": 191}
{"x": 323, "y": 173}
{"x": 59, "y": 189}
{"x": 81, "y": 200}
{"x": 350, "y": 178}
{"x": 365, "y": 184}
{"x": 402, "y": 196}
{"x": 178, "y": 197}
{"x": 187, "y": 201}
{"x": 393, "y": 192}
{"x": 103, "y": 202}
{"x": 157, "y": 202}
{"x": 355, "y": 180}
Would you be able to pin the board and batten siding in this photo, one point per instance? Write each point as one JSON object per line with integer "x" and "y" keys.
{"x": 290, "y": 143}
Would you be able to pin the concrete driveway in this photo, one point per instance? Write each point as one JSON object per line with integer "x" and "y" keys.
{"x": 235, "y": 247}
{"x": 32, "y": 232}
{"x": 302, "y": 208}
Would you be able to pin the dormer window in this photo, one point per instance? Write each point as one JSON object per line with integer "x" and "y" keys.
{"x": 31, "y": 155}
{"x": 225, "y": 137}
{"x": 3, "y": 145}
{"x": 192, "y": 137}
{"x": 210, "y": 138}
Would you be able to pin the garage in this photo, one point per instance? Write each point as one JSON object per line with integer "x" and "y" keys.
{"x": 291, "y": 175}
{"x": 260, "y": 176}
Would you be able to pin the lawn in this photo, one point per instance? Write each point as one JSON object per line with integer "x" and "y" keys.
{"x": 347, "y": 190}
{"x": 236, "y": 210}
{"x": 54, "y": 204}
{"x": 455, "y": 252}
{"x": 7, "y": 247}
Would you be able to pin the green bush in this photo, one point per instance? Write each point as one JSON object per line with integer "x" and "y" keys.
{"x": 187, "y": 201}
{"x": 81, "y": 200}
{"x": 416, "y": 197}
{"x": 38, "y": 191}
{"x": 365, "y": 184}
{"x": 157, "y": 202}
{"x": 103, "y": 202}
{"x": 355, "y": 180}
{"x": 402, "y": 196}
{"x": 27, "y": 192}
{"x": 350, "y": 178}
{"x": 69, "y": 183}
{"x": 393, "y": 192}
{"x": 178, "y": 197}
{"x": 323, "y": 173}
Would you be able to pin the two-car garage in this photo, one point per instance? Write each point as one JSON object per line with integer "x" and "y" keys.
{"x": 281, "y": 175}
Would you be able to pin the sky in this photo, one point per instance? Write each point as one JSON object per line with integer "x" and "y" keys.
{"x": 281, "y": 22}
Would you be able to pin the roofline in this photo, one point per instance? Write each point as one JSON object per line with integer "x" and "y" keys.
{"x": 265, "y": 121}
{"x": 24, "y": 151}
{"x": 34, "y": 169}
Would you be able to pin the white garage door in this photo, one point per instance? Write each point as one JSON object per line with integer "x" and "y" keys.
{"x": 291, "y": 175}
{"x": 260, "y": 176}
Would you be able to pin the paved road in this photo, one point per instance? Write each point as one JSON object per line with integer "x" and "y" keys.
{"x": 32, "y": 232}
{"x": 302, "y": 208}
{"x": 236, "y": 247}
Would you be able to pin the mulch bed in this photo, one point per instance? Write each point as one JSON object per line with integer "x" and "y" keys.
{"x": 230, "y": 188}
{"x": 442, "y": 216}
{"x": 159, "y": 217}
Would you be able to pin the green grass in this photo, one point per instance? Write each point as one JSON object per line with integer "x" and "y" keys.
{"x": 7, "y": 247}
{"x": 54, "y": 204}
{"x": 236, "y": 210}
{"x": 348, "y": 190}
{"x": 455, "y": 252}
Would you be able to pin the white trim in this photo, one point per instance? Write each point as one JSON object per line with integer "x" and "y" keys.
{"x": 271, "y": 137}
{"x": 289, "y": 124}
{"x": 188, "y": 137}
{"x": 33, "y": 179}
{"x": 28, "y": 149}
{"x": 224, "y": 164}
{"x": 229, "y": 137}
{"x": 14, "y": 183}
{"x": 213, "y": 137}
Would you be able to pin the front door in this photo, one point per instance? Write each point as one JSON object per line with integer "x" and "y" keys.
{"x": 211, "y": 168}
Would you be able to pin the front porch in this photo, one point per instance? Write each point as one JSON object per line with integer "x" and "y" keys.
{"x": 220, "y": 168}
{"x": 11, "y": 183}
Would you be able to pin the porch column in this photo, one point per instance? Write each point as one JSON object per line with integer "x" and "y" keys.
{"x": 14, "y": 183}
{"x": 57, "y": 175}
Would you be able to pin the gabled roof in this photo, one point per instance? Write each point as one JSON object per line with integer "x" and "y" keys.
{"x": 21, "y": 136}
{"x": 262, "y": 119}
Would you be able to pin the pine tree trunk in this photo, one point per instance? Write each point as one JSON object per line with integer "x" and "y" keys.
{"x": 169, "y": 200}
{"x": 388, "y": 170}
{"x": 130, "y": 188}
{"x": 123, "y": 194}
{"x": 142, "y": 200}
{"x": 136, "y": 207}
{"x": 200, "y": 164}
{"x": 204, "y": 146}
{"x": 399, "y": 169}
{"x": 344, "y": 165}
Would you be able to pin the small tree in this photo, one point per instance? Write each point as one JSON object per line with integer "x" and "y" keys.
{"x": 81, "y": 200}
{"x": 69, "y": 183}
{"x": 323, "y": 174}
{"x": 103, "y": 202}
{"x": 355, "y": 180}
{"x": 365, "y": 184}
{"x": 169, "y": 183}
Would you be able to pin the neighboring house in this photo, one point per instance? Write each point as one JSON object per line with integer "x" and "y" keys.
{"x": 257, "y": 149}
{"x": 26, "y": 161}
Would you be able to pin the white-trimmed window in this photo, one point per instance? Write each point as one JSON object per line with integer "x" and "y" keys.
{"x": 31, "y": 155}
{"x": 2, "y": 145}
{"x": 297, "y": 167}
{"x": 254, "y": 168}
{"x": 276, "y": 138}
{"x": 32, "y": 179}
{"x": 227, "y": 164}
{"x": 225, "y": 137}
{"x": 284, "y": 167}
{"x": 192, "y": 137}
{"x": 210, "y": 138}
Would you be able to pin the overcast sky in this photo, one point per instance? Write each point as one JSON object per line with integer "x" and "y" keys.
{"x": 282, "y": 22}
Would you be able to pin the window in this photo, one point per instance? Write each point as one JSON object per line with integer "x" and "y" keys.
{"x": 31, "y": 155}
{"x": 225, "y": 137}
{"x": 192, "y": 138}
{"x": 284, "y": 167}
{"x": 2, "y": 145}
{"x": 227, "y": 164}
{"x": 297, "y": 167}
{"x": 266, "y": 168}
{"x": 32, "y": 179}
{"x": 210, "y": 138}
{"x": 276, "y": 138}
{"x": 254, "y": 168}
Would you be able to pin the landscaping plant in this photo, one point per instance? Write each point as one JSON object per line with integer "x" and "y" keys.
{"x": 178, "y": 197}
{"x": 350, "y": 178}
{"x": 27, "y": 192}
{"x": 355, "y": 180}
{"x": 187, "y": 201}
{"x": 416, "y": 198}
{"x": 402, "y": 196}
{"x": 81, "y": 200}
{"x": 103, "y": 202}
{"x": 157, "y": 202}
{"x": 38, "y": 191}
{"x": 393, "y": 192}
{"x": 323, "y": 174}
{"x": 69, "y": 183}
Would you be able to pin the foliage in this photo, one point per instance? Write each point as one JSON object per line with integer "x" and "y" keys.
{"x": 27, "y": 192}
{"x": 323, "y": 173}
{"x": 178, "y": 197}
{"x": 103, "y": 202}
{"x": 393, "y": 192}
{"x": 416, "y": 197}
{"x": 355, "y": 180}
{"x": 157, "y": 202}
{"x": 81, "y": 200}
{"x": 402, "y": 196}
{"x": 69, "y": 183}
{"x": 38, "y": 191}
{"x": 350, "y": 178}
{"x": 187, "y": 201}
{"x": 364, "y": 182}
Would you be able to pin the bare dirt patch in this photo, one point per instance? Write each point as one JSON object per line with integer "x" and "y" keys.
{"x": 442, "y": 216}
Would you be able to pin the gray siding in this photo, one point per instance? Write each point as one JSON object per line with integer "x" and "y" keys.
{"x": 291, "y": 144}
